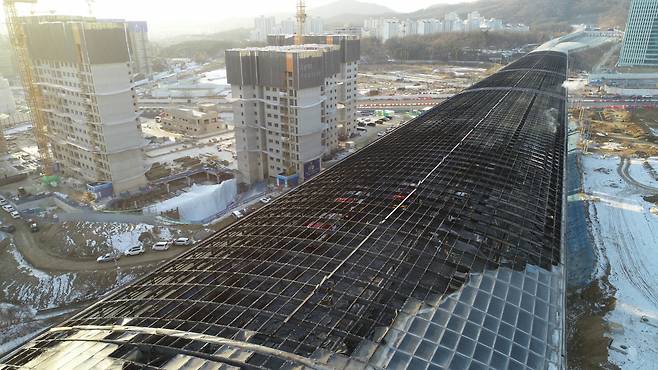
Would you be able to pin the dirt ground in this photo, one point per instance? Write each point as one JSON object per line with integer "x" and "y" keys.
{"x": 400, "y": 79}
{"x": 623, "y": 133}
{"x": 586, "y": 327}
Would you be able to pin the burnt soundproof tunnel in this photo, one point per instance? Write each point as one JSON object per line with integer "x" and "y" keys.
{"x": 439, "y": 246}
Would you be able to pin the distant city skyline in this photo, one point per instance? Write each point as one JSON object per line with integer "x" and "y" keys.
{"x": 165, "y": 15}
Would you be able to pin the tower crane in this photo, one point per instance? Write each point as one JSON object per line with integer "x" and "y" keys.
{"x": 33, "y": 95}
{"x": 301, "y": 21}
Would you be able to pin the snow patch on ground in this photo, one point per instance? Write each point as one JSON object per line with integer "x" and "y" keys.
{"x": 644, "y": 171}
{"x": 627, "y": 234}
{"x": 118, "y": 236}
{"x": 122, "y": 241}
{"x": 57, "y": 289}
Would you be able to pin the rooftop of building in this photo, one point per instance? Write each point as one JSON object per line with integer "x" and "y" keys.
{"x": 190, "y": 112}
{"x": 297, "y": 49}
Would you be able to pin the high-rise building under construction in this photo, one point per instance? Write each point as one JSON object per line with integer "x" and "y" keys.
{"x": 292, "y": 104}
{"x": 84, "y": 72}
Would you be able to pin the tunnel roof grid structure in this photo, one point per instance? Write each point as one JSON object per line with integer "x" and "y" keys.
{"x": 439, "y": 246}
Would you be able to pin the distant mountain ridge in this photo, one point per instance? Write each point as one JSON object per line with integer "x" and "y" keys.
{"x": 531, "y": 12}
{"x": 349, "y": 7}
{"x": 538, "y": 12}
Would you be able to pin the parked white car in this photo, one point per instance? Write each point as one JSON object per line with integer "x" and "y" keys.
{"x": 161, "y": 246}
{"x": 135, "y": 251}
{"x": 15, "y": 215}
{"x": 265, "y": 200}
{"x": 183, "y": 241}
{"x": 8, "y": 208}
{"x": 107, "y": 258}
{"x": 237, "y": 214}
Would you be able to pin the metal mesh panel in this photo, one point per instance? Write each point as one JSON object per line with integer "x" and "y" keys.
{"x": 438, "y": 246}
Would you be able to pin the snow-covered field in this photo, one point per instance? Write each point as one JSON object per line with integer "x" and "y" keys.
{"x": 626, "y": 234}
{"x": 31, "y": 298}
{"x": 645, "y": 171}
{"x": 93, "y": 238}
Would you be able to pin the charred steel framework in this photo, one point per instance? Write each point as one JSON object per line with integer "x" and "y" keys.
{"x": 473, "y": 185}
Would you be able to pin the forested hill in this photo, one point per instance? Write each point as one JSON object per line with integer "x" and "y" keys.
{"x": 539, "y": 12}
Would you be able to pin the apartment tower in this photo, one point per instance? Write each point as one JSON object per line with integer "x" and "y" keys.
{"x": 640, "y": 47}
{"x": 293, "y": 103}
{"x": 85, "y": 73}
{"x": 350, "y": 53}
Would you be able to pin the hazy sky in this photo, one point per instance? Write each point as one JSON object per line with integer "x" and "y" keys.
{"x": 209, "y": 8}
{"x": 167, "y": 14}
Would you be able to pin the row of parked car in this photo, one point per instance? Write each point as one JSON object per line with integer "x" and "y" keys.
{"x": 139, "y": 249}
{"x": 240, "y": 213}
{"x": 9, "y": 208}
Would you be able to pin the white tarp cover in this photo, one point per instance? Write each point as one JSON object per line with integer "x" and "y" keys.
{"x": 200, "y": 202}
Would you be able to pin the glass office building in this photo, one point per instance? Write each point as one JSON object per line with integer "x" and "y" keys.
{"x": 641, "y": 40}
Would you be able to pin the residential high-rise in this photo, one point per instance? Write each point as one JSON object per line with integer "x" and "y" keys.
{"x": 350, "y": 53}
{"x": 285, "y": 110}
{"x": 473, "y": 22}
{"x": 314, "y": 26}
{"x": 263, "y": 26}
{"x": 409, "y": 28}
{"x": 429, "y": 26}
{"x": 140, "y": 49}
{"x": 292, "y": 103}
{"x": 287, "y": 27}
{"x": 7, "y": 103}
{"x": 391, "y": 28}
{"x": 640, "y": 47}
{"x": 84, "y": 71}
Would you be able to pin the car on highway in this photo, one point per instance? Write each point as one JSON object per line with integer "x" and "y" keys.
{"x": 7, "y": 228}
{"x": 135, "y": 251}
{"x": 15, "y": 215}
{"x": 265, "y": 200}
{"x": 109, "y": 257}
{"x": 183, "y": 241}
{"x": 161, "y": 246}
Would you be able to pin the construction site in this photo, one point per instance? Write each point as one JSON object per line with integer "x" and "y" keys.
{"x": 104, "y": 177}
{"x": 613, "y": 202}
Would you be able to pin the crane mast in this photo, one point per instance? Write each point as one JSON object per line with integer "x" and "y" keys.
{"x": 33, "y": 96}
{"x": 301, "y": 21}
